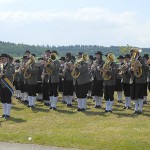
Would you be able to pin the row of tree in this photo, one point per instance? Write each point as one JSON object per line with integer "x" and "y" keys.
{"x": 17, "y": 50}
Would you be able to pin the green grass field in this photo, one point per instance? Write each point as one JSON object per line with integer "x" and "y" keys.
{"x": 89, "y": 130}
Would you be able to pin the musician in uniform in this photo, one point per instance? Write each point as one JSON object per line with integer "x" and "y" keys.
{"x": 97, "y": 88}
{"x": 126, "y": 81}
{"x": 6, "y": 89}
{"x": 109, "y": 74}
{"x": 30, "y": 74}
{"x": 138, "y": 79}
{"x": 81, "y": 79}
{"x": 118, "y": 86}
{"x": 54, "y": 66}
{"x": 68, "y": 80}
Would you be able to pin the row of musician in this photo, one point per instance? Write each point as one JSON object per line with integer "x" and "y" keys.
{"x": 85, "y": 76}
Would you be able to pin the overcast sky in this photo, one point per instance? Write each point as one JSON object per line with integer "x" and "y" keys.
{"x": 71, "y": 22}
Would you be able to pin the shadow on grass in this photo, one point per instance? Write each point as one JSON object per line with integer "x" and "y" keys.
{"x": 16, "y": 120}
{"x": 66, "y": 111}
{"x": 16, "y": 108}
{"x": 37, "y": 109}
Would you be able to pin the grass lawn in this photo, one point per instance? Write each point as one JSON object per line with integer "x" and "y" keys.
{"x": 89, "y": 130}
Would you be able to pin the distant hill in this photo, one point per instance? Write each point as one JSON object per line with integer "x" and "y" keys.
{"x": 17, "y": 50}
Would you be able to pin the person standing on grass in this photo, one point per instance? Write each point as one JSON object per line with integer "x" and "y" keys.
{"x": 6, "y": 89}
{"x": 97, "y": 88}
{"x": 138, "y": 79}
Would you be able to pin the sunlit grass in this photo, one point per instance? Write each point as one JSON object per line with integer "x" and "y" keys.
{"x": 92, "y": 129}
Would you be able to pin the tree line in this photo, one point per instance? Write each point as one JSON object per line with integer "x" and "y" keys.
{"x": 18, "y": 50}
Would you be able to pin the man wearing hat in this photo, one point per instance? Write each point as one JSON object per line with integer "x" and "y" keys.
{"x": 118, "y": 86}
{"x": 79, "y": 55}
{"x": 6, "y": 89}
{"x": 126, "y": 81}
{"x": 68, "y": 80}
{"x": 138, "y": 80}
{"x": 97, "y": 88}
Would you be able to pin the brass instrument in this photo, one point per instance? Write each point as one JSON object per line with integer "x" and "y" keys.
{"x": 107, "y": 66}
{"x": 135, "y": 64}
{"x": 148, "y": 63}
{"x": 50, "y": 60}
{"x": 122, "y": 69}
{"x": 26, "y": 67}
{"x": 75, "y": 73}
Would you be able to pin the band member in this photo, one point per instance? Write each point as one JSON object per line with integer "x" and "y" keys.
{"x": 125, "y": 73}
{"x": 54, "y": 67}
{"x": 16, "y": 78}
{"x": 81, "y": 79}
{"x": 40, "y": 66}
{"x": 68, "y": 80}
{"x": 109, "y": 70}
{"x": 90, "y": 62}
{"x": 6, "y": 89}
{"x": 118, "y": 86}
{"x": 146, "y": 58}
{"x": 138, "y": 79}
{"x": 97, "y": 88}
{"x": 61, "y": 79}
{"x": 30, "y": 74}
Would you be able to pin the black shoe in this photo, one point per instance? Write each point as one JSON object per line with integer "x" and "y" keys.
{"x": 110, "y": 111}
{"x": 135, "y": 112}
{"x": 63, "y": 102}
{"x": 83, "y": 109}
{"x": 96, "y": 106}
{"x": 54, "y": 108}
{"x": 46, "y": 104}
{"x": 128, "y": 107}
{"x": 29, "y": 106}
{"x": 79, "y": 109}
{"x": 3, "y": 116}
{"x": 124, "y": 107}
{"x": 32, "y": 106}
{"x": 69, "y": 105}
{"x": 145, "y": 102}
{"x": 139, "y": 112}
{"x": 106, "y": 111}
{"x": 7, "y": 116}
{"x": 119, "y": 101}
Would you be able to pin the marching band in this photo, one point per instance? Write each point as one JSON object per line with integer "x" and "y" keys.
{"x": 86, "y": 76}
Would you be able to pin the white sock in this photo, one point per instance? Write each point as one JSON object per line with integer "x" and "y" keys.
{"x": 96, "y": 100}
{"x": 65, "y": 98}
{"x": 111, "y": 104}
{"x": 26, "y": 96}
{"x": 69, "y": 99}
{"x": 79, "y": 103}
{"x": 33, "y": 100}
{"x": 74, "y": 95}
{"x": 30, "y": 100}
{"x": 8, "y": 109}
{"x": 140, "y": 104}
{"x": 99, "y": 100}
{"x": 145, "y": 98}
{"x": 51, "y": 101}
{"x": 22, "y": 97}
{"x": 39, "y": 96}
{"x": 126, "y": 101}
{"x": 4, "y": 108}
{"x": 107, "y": 105}
{"x": 136, "y": 105}
{"x": 16, "y": 93}
{"x": 129, "y": 101}
{"x": 55, "y": 101}
{"x": 84, "y": 100}
{"x": 119, "y": 95}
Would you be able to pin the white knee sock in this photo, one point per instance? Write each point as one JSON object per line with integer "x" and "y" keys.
{"x": 79, "y": 103}
{"x": 119, "y": 95}
{"x": 111, "y": 104}
{"x": 30, "y": 100}
{"x": 140, "y": 104}
{"x": 136, "y": 105}
{"x": 8, "y": 109}
{"x": 33, "y": 100}
{"x": 52, "y": 101}
{"x": 126, "y": 101}
{"x": 96, "y": 100}
{"x": 4, "y": 108}
{"x": 69, "y": 99}
{"x": 99, "y": 100}
{"x": 129, "y": 101}
{"x": 107, "y": 105}
{"x": 89, "y": 93}
{"x": 84, "y": 100}
{"x": 55, "y": 101}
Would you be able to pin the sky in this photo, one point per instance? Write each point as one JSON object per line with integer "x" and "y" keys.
{"x": 76, "y": 22}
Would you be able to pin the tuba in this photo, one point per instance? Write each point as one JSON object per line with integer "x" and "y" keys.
{"x": 135, "y": 63}
{"x": 107, "y": 66}
{"x": 27, "y": 65}
{"x": 50, "y": 60}
{"x": 75, "y": 73}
